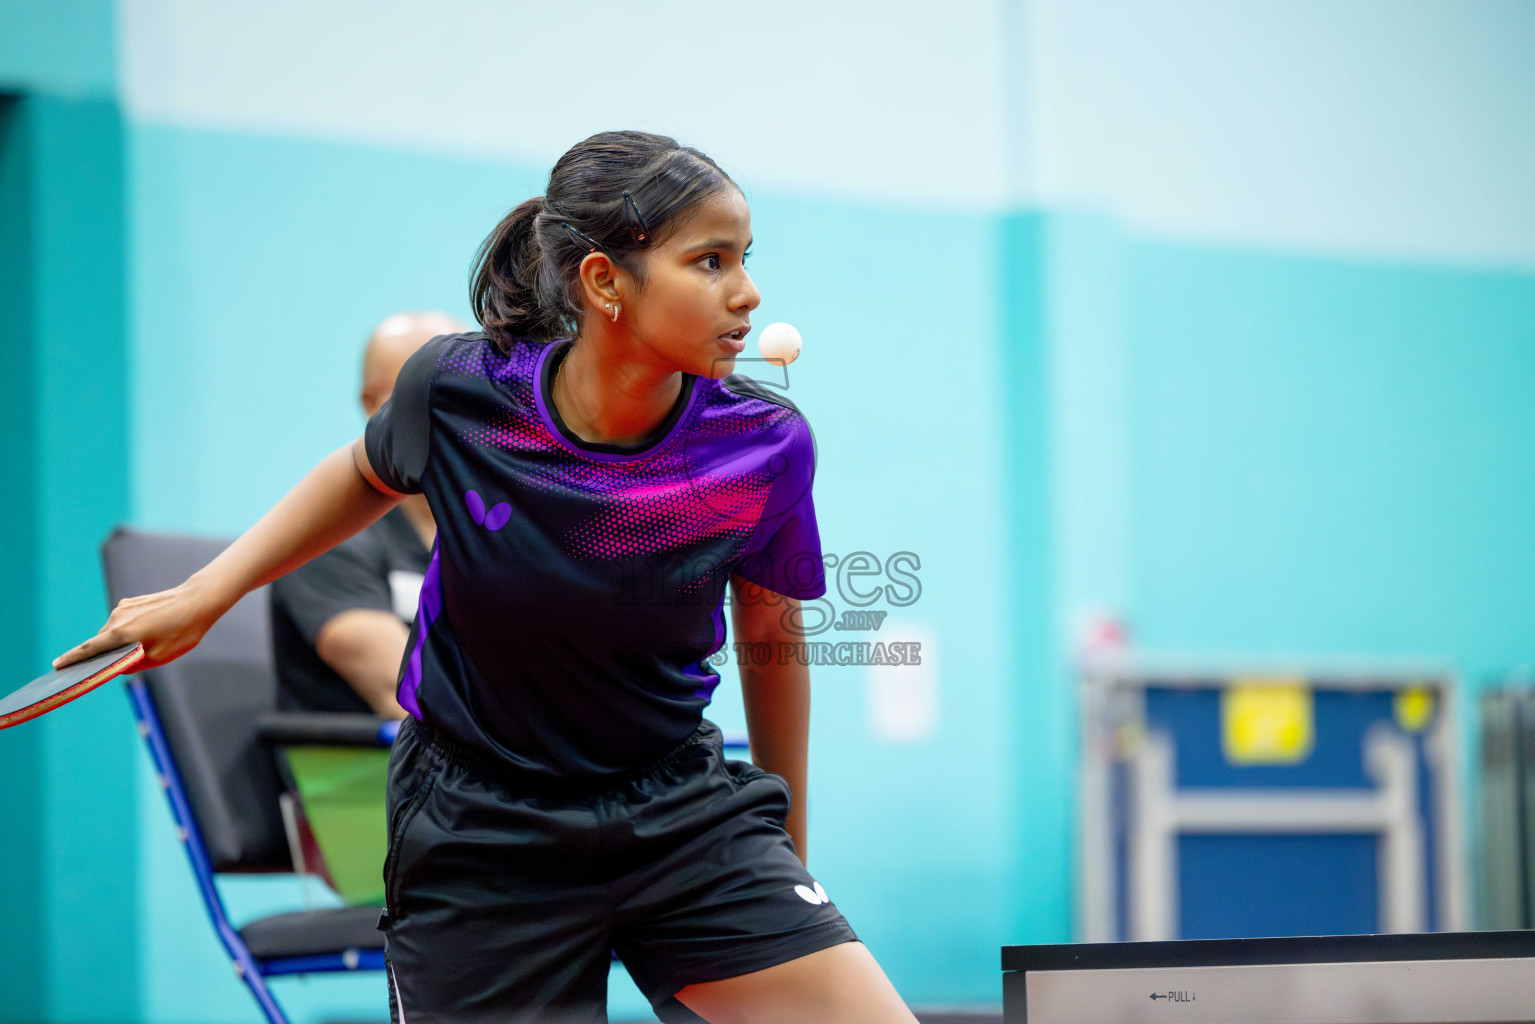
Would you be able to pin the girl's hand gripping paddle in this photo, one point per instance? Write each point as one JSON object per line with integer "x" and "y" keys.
{"x": 42, "y": 695}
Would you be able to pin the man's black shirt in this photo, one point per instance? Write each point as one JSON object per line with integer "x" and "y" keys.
{"x": 380, "y": 568}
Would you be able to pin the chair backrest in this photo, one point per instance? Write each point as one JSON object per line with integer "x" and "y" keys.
{"x": 208, "y": 702}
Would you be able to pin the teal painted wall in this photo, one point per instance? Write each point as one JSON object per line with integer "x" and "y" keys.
{"x": 73, "y": 850}
{"x": 899, "y": 380}
{"x": 68, "y": 949}
{"x": 260, "y": 267}
{"x": 1037, "y": 767}
{"x": 21, "y": 865}
{"x": 84, "y": 459}
{"x": 65, "y": 47}
{"x": 1332, "y": 457}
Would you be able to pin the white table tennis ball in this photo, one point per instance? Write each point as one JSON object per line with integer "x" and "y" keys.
{"x": 780, "y": 343}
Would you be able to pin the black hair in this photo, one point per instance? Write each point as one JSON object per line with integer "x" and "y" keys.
{"x": 526, "y": 281}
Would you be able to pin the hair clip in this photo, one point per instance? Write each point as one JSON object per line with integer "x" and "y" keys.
{"x": 581, "y": 238}
{"x": 639, "y": 231}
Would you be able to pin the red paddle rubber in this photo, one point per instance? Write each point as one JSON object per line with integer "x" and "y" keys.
{"x": 56, "y": 689}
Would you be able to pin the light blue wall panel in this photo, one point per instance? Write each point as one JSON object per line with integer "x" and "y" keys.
{"x": 1332, "y": 457}
{"x": 900, "y": 381}
{"x": 260, "y": 267}
{"x": 1037, "y": 763}
{"x": 66, "y": 47}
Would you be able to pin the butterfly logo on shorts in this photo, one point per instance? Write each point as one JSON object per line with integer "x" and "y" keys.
{"x": 493, "y": 518}
{"x": 815, "y": 895}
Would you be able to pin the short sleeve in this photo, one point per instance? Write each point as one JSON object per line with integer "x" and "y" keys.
{"x": 784, "y": 553}
{"x": 343, "y": 578}
{"x": 398, "y": 436}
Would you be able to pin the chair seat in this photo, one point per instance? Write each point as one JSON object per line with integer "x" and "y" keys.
{"x": 322, "y": 729}
{"x": 314, "y": 933}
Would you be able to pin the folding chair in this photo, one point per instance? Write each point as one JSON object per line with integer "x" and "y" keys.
{"x": 335, "y": 767}
{"x": 199, "y": 717}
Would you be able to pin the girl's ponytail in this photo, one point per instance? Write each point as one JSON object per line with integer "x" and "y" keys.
{"x": 503, "y": 290}
{"x": 526, "y": 279}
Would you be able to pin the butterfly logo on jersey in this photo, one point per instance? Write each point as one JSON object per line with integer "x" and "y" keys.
{"x": 493, "y": 518}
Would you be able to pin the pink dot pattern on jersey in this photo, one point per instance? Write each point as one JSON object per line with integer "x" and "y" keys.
{"x": 660, "y": 502}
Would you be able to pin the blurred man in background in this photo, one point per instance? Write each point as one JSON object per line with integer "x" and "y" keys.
{"x": 340, "y": 622}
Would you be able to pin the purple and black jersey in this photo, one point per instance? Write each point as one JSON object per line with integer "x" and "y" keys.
{"x": 575, "y": 591}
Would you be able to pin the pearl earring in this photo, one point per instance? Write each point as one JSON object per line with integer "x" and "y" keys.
{"x": 614, "y": 307}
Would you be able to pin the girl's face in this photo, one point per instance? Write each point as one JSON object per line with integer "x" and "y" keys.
{"x": 695, "y": 307}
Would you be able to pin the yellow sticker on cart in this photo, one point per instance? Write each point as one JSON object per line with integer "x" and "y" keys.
{"x": 1414, "y": 708}
{"x": 1267, "y": 721}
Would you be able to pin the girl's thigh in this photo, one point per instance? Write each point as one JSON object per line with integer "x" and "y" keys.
{"x": 838, "y": 985}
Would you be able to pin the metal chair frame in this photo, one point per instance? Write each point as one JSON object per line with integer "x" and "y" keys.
{"x": 250, "y": 970}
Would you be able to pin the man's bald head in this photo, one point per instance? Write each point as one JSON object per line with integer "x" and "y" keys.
{"x": 392, "y": 342}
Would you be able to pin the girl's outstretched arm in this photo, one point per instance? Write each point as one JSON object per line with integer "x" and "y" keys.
{"x": 336, "y": 499}
{"x": 777, "y": 695}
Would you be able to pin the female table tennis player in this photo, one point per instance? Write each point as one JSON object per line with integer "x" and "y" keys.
{"x": 555, "y": 792}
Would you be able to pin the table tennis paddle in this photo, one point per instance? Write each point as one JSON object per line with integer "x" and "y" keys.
{"x": 45, "y": 693}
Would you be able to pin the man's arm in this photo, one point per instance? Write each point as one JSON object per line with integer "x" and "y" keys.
{"x": 777, "y": 696}
{"x": 364, "y": 646}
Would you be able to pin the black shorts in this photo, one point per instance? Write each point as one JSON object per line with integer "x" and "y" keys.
{"x": 505, "y": 898}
